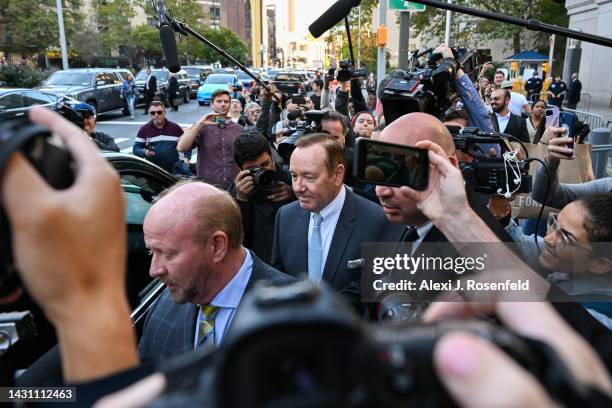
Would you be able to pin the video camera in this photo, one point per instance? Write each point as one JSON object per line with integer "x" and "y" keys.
{"x": 300, "y": 123}
{"x": 347, "y": 72}
{"x": 503, "y": 174}
{"x": 429, "y": 90}
{"x": 302, "y": 345}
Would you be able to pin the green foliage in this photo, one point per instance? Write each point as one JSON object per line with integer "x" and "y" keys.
{"x": 21, "y": 76}
{"x": 369, "y": 48}
{"x": 467, "y": 30}
{"x": 32, "y": 27}
{"x": 226, "y": 40}
{"x": 113, "y": 18}
{"x": 146, "y": 39}
{"x": 86, "y": 43}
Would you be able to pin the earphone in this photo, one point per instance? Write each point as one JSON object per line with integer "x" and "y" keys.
{"x": 510, "y": 159}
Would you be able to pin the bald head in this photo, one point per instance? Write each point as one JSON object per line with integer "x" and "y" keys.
{"x": 414, "y": 127}
{"x": 200, "y": 208}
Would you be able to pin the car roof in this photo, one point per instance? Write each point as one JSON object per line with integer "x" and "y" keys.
{"x": 87, "y": 70}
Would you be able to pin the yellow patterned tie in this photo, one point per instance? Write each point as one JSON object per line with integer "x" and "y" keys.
{"x": 206, "y": 334}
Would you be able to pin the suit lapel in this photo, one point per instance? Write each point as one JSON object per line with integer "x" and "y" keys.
{"x": 297, "y": 238}
{"x": 340, "y": 239}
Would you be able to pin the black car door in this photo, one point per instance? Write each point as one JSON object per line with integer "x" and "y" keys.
{"x": 12, "y": 105}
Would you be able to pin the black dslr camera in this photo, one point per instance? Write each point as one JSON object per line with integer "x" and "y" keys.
{"x": 302, "y": 345}
{"x": 347, "y": 72}
{"x": 263, "y": 179}
{"x": 503, "y": 174}
{"x": 429, "y": 89}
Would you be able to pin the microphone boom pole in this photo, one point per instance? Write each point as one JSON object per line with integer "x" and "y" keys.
{"x": 184, "y": 29}
{"x": 533, "y": 25}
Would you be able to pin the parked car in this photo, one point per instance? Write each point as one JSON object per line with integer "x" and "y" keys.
{"x": 161, "y": 74}
{"x": 289, "y": 83}
{"x": 246, "y": 81}
{"x": 197, "y": 75}
{"x": 99, "y": 87}
{"x": 16, "y": 102}
{"x": 214, "y": 82}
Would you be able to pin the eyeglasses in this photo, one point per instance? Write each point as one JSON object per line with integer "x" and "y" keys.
{"x": 155, "y": 113}
{"x": 567, "y": 239}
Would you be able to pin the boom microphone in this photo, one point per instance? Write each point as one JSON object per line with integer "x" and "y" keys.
{"x": 166, "y": 35}
{"x": 332, "y": 16}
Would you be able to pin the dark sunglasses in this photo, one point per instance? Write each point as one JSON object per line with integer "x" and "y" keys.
{"x": 155, "y": 113}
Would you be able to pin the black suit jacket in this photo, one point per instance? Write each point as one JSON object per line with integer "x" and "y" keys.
{"x": 169, "y": 328}
{"x": 360, "y": 221}
{"x": 152, "y": 90}
{"x": 517, "y": 127}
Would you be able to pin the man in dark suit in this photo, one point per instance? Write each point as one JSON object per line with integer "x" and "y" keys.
{"x": 323, "y": 231}
{"x": 573, "y": 94}
{"x": 402, "y": 211}
{"x": 150, "y": 89}
{"x": 505, "y": 121}
{"x": 194, "y": 233}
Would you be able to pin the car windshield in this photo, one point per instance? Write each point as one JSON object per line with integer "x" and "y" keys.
{"x": 242, "y": 75}
{"x": 69, "y": 78}
{"x": 193, "y": 71}
{"x": 218, "y": 79}
{"x": 162, "y": 76}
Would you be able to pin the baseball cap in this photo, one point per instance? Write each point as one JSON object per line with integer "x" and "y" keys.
{"x": 506, "y": 85}
{"x": 85, "y": 108}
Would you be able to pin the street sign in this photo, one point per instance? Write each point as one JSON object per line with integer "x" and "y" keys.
{"x": 405, "y": 6}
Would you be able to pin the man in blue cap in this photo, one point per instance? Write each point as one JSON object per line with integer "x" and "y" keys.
{"x": 101, "y": 139}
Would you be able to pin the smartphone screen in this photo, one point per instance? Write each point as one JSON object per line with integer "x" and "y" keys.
{"x": 552, "y": 116}
{"x": 390, "y": 164}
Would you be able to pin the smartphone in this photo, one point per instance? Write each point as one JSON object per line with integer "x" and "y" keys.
{"x": 298, "y": 100}
{"x": 552, "y": 115}
{"x": 566, "y": 120}
{"x": 390, "y": 164}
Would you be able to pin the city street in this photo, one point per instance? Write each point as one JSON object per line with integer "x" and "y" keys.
{"x": 124, "y": 130}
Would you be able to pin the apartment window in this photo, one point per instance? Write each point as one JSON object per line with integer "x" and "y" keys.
{"x": 215, "y": 13}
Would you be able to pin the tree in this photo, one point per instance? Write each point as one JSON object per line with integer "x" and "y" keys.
{"x": 226, "y": 40}
{"x": 113, "y": 19}
{"x": 86, "y": 43}
{"x": 146, "y": 40}
{"x": 369, "y": 47}
{"x": 467, "y": 30}
{"x": 32, "y": 27}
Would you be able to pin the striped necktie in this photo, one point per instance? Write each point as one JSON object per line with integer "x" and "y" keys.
{"x": 206, "y": 334}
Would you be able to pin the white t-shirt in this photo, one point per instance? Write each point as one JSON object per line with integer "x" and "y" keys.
{"x": 517, "y": 101}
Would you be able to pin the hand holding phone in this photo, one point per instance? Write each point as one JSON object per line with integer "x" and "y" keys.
{"x": 390, "y": 164}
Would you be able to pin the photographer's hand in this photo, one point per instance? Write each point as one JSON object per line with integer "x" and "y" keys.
{"x": 475, "y": 372}
{"x": 282, "y": 193}
{"x": 244, "y": 185}
{"x": 149, "y": 153}
{"x": 70, "y": 249}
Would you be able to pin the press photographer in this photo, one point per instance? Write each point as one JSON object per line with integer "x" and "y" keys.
{"x": 213, "y": 135}
{"x": 101, "y": 363}
{"x": 260, "y": 189}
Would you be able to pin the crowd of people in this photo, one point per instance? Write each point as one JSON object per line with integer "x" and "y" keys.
{"x": 214, "y": 237}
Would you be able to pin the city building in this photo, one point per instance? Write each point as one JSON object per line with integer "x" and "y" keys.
{"x": 594, "y": 17}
